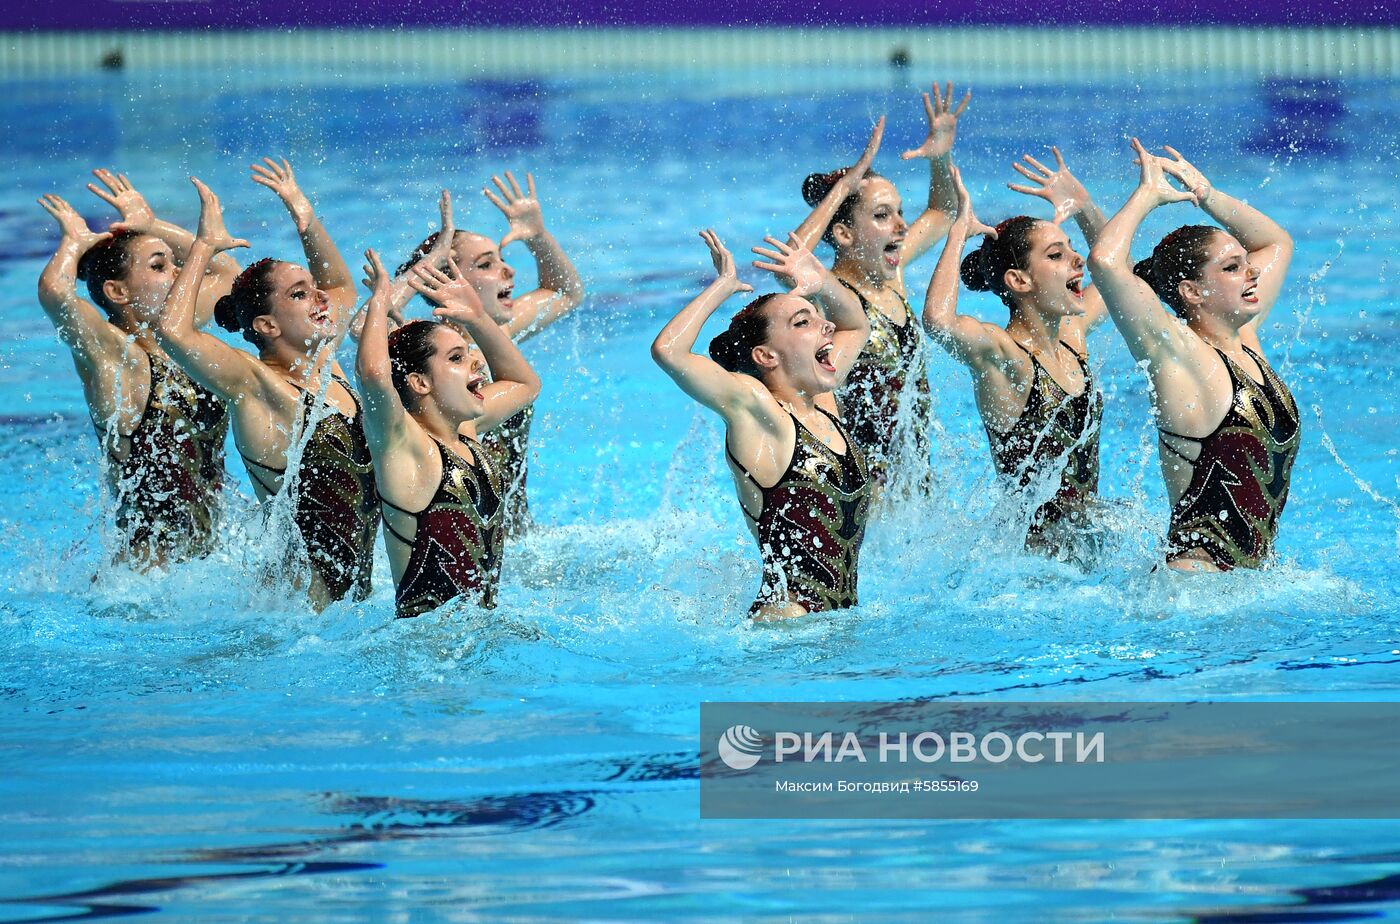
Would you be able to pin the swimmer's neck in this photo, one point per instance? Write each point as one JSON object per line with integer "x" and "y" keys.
{"x": 800, "y": 402}
{"x": 848, "y": 269}
{"x": 1218, "y": 333}
{"x": 440, "y": 426}
{"x": 1034, "y": 331}
{"x": 298, "y": 365}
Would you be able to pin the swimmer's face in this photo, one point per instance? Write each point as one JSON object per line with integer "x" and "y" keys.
{"x": 875, "y": 234}
{"x": 799, "y": 345}
{"x": 150, "y": 274}
{"x": 491, "y": 277}
{"x": 1053, "y": 278}
{"x": 300, "y": 311}
{"x": 455, "y": 376}
{"x": 1228, "y": 284}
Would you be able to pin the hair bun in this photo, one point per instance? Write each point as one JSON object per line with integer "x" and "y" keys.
{"x": 817, "y": 185}
{"x": 1143, "y": 269}
{"x": 226, "y": 314}
{"x": 974, "y": 271}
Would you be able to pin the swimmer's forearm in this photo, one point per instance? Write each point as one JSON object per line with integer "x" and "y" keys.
{"x": 941, "y": 300}
{"x": 323, "y": 258}
{"x": 1251, "y": 227}
{"x": 556, "y": 271}
{"x": 841, "y": 305}
{"x": 1111, "y": 253}
{"x": 502, "y": 356}
{"x": 677, "y": 338}
{"x": 1091, "y": 221}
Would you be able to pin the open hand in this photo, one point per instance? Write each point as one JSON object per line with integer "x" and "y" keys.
{"x": 456, "y": 300}
{"x": 211, "y": 221}
{"x": 724, "y": 263}
{"x": 942, "y": 124}
{"x": 136, "y": 214}
{"x": 965, "y": 213}
{"x": 521, "y": 210}
{"x": 1059, "y": 187}
{"x": 795, "y": 266}
{"x": 1189, "y": 176}
{"x": 1153, "y": 178}
{"x": 73, "y": 225}
{"x": 280, "y": 179}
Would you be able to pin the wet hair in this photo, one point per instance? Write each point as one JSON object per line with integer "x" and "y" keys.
{"x": 733, "y": 349}
{"x": 110, "y": 259}
{"x": 815, "y": 189}
{"x": 410, "y": 348}
{"x": 249, "y": 297}
{"x": 984, "y": 270}
{"x": 421, "y": 251}
{"x": 1179, "y": 256}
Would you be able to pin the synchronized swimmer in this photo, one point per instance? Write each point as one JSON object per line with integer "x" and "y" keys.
{"x": 823, "y": 387}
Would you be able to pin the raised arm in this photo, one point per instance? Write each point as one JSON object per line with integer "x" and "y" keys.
{"x": 937, "y": 148}
{"x": 1064, "y": 192}
{"x": 137, "y": 216}
{"x": 81, "y": 327}
{"x": 400, "y": 291}
{"x": 969, "y": 340}
{"x": 323, "y": 259}
{"x": 214, "y": 364}
{"x": 1069, "y": 198}
{"x": 1150, "y": 332}
{"x": 560, "y": 290}
{"x": 848, "y": 184}
{"x": 673, "y": 350}
{"x": 1270, "y": 247}
{"x": 798, "y": 268}
{"x": 514, "y": 384}
{"x": 387, "y": 425}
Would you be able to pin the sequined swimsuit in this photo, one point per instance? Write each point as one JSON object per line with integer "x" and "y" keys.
{"x": 167, "y": 482}
{"x": 811, "y": 524}
{"x": 1056, "y": 430}
{"x": 1239, "y": 480}
{"x": 337, "y": 506}
{"x": 511, "y": 443}
{"x": 456, "y": 546}
{"x": 891, "y": 367}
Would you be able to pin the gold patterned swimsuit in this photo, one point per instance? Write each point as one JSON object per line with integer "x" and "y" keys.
{"x": 1239, "y": 479}
{"x": 1056, "y": 430}
{"x": 337, "y": 504}
{"x": 167, "y": 482}
{"x": 892, "y": 363}
{"x": 511, "y": 443}
{"x": 811, "y": 524}
{"x": 456, "y": 546}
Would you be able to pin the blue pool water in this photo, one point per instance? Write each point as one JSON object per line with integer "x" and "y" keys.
{"x": 195, "y": 744}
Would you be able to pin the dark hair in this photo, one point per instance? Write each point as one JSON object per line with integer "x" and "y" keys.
{"x": 110, "y": 259}
{"x": 410, "y": 348}
{"x": 984, "y": 270}
{"x": 249, "y": 297}
{"x": 733, "y": 349}
{"x": 1179, "y": 256}
{"x": 815, "y": 189}
{"x": 421, "y": 251}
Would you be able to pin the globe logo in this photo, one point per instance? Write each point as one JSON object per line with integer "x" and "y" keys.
{"x": 740, "y": 747}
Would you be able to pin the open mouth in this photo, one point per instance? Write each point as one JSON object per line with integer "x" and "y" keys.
{"x": 475, "y": 386}
{"x": 1076, "y": 286}
{"x": 891, "y": 253}
{"x": 824, "y": 357}
{"x": 503, "y": 296}
{"x": 321, "y": 316}
{"x": 1251, "y": 295}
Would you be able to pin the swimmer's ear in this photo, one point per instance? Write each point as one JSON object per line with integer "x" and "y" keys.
{"x": 265, "y": 327}
{"x": 843, "y": 235}
{"x": 1190, "y": 291}
{"x": 1018, "y": 281}
{"x": 418, "y": 383}
{"x": 765, "y": 358}
{"x": 115, "y": 292}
